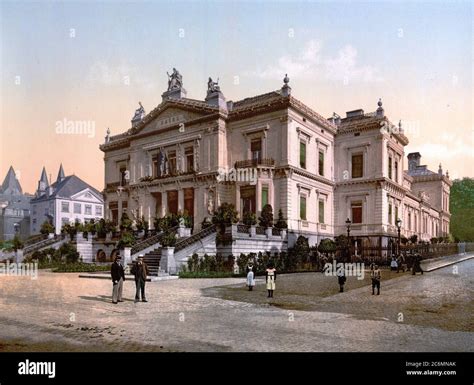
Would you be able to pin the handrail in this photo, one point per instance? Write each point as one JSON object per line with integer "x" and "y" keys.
{"x": 181, "y": 244}
{"x": 151, "y": 240}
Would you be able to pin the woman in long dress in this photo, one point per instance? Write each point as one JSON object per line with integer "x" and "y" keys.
{"x": 250, "y": 278}
{"x": 270, "y": 278}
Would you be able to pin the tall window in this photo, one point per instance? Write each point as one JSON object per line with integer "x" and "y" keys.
{"x": 390, "y": 167}
{"x": 123, "y": 173}
{"x": 189, "y": 154}
{"x": 256, "y": 149}
{"x": 264, "y": 196}
{"x": 321, "y": 211}
{"x": 321, "y": 163}
{"x": 98, "y": 210}
{"x": 154, "y": 162}
{"x": 409, "y": 221}
{"x": 172, "y": 162}
{"x": 302, "y": 207}
{"x": 357, "y": 165}
{"x": 356, "y": 208}
{"x": 396, "y": 213}
{"x": 88, "y": 209}
{"x": 64, "y": 207}
{"x": 390, "y": 213}
{"x": 302, "y": 155}
{"x": 77, "y": 208}
{"x": 396, "y": 171}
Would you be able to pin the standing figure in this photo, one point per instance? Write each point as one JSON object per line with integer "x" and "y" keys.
{"x": 375, "y": 275}
{"x": 417, "y": 265}
{"x": 341, "y": 279}
{"x": 140, "y": 271}
{"x": 271, "y": 279}
{"x": 118, "y": 276}
{"x": 401, "y": 263}
{"x": 394, "y": 264}
{"x": 250, "y": 278}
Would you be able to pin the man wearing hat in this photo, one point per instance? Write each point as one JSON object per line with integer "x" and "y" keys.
{"x": 118, "y": 276}
{"x": 140, "y": 271}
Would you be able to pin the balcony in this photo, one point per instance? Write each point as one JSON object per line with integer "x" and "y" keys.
{"x": 255, "y": 163}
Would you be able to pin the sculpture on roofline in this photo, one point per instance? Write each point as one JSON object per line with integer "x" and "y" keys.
{"x": 175, "y": 80}
{"x": 213, "y": 86}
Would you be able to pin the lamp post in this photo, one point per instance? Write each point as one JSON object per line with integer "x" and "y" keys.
{"x": 348, "y": 225}
{"x": 399, "y": 226}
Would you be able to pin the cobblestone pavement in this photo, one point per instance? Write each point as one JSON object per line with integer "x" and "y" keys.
{"x": 66, "y": 313}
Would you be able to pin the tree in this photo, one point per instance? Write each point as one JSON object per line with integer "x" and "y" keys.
{"x": 266, "y": 219}
{"x": 225, "y": 215}
{"x": 281, "y": 223}
{"x": 461, "y": 206}
{"x": 47, "y": 228}
{"x": 301, "y": 250}
{"x": 127, "y": 240}
{"x": 17, "y": 243}
{"x": 249, "y": 218}
{"x": 125, "y": 223}
{"x": 327, "y": 246}
{"x": 414, "y": 239}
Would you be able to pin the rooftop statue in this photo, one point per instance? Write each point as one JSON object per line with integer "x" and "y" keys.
{"x": 213, "y": 86}
{"x": 175, "y": 80}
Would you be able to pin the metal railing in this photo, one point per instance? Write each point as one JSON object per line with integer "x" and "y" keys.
{"x": 181, "y": 244}
{"x": 154, "y": 239}
{"x": 255, "y": 163}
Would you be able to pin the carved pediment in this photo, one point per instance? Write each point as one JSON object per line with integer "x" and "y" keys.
{"x": 171, "y": 117}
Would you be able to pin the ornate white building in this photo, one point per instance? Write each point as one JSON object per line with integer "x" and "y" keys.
{"x": 193, "y": 155}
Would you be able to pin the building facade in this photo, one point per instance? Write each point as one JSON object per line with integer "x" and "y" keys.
{"x": 193, "y": 155}
{"x": 67, "y": 200}
{"x": 14, "y": 208}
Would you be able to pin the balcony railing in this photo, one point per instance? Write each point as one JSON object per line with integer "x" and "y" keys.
{"x": 255, "y": 163}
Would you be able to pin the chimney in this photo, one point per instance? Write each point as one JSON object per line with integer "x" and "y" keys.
{"x": 413, "y": 160}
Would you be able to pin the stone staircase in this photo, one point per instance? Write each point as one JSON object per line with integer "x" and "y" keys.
{"x": 152, "y": 259}
{"x": 43, "y": 243}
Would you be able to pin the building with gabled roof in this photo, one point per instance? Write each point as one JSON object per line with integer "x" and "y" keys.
{"x": 67, "y": 200}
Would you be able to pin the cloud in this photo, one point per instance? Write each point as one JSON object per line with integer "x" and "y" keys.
{"x": 311, "y": 62}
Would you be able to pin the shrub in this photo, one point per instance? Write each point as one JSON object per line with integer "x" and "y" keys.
{"x": 266, "y": 219}
{"x": 168, "y": 240}
{"x": 281, "y": 223}
{"x": 225, "y": 215}
{"x": 17, "y": 243}
{"x": 206, "y": 223}
{"x": 47, "y": 228}
{"x": 127, "y": 240}
{"x": 249, "y": 219}
{"x": 125, "y": 223}
{"x": 67, "y": 252}
{"x": 327, "y": 246}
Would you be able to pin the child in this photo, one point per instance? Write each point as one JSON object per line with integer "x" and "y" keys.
{"x": 250, "y": 279}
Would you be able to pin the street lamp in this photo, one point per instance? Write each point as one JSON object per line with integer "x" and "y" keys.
{"x": 348, "y": 224}
{"x": 399, "y": 226}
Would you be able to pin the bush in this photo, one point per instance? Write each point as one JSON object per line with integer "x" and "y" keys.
{"x": 125, "y": 223}
{"x": 168, "y": 240}
{"x": 46, "y": 228}
{"x": 206, "y": 274}
{"x": 206, "y": 222}
{"x": 17, "y": 243}
{"x": 79, "y": 267}
{"x": 127, "y": 240}
{"x": 225, "y": 215}
{"x": 281, "y": 223}
{"x": 327, "y": 246}
{"x": 266, "y": 220}
{"x": 249, "y": 219}
{"x": 67, "y": 252}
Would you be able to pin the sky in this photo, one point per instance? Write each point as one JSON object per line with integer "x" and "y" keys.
{"x": 89, "y": 63}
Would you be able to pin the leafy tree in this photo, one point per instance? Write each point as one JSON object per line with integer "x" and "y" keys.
{"x": 462, "y": 209}
{"x": 47, "y": 228}
{"x": 17, "y": 243}
{"x": 327, "y": 246}
{"x": 266, "y": 219}
{"x": 127, "y": 240}
{"x": 225, "y": 215}
{"x": 125, "y": 223}
{"x": 249, "y": 218}
{"x": 281, "y": 223}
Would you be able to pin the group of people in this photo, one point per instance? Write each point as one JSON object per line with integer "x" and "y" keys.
{"x": 139, "y": 271}
{"x": 270, "y": 278}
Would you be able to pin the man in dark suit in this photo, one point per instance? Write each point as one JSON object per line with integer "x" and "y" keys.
{"x": 118, "y": 276}
{"x": 140, "y": 271}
